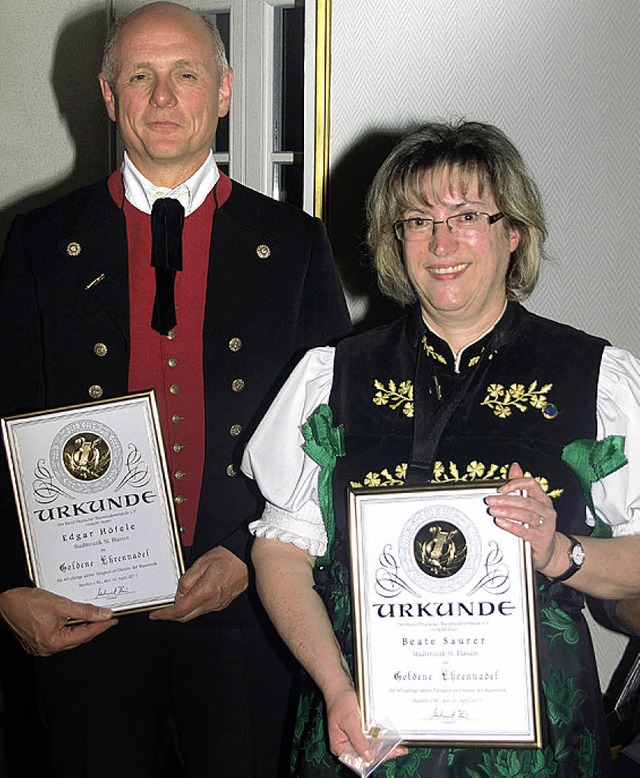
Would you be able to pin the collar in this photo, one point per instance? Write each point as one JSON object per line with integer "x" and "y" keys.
{"x": 142, "y": 194}
{"x": 469, "y": 356}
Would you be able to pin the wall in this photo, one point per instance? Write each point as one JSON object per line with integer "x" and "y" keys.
{"x": 54, "y": 129}
{"x": 560, "y": 78}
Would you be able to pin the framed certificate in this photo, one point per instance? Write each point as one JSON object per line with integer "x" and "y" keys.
{"x": 445, "y": 619}
{"x": 94, "y": 500}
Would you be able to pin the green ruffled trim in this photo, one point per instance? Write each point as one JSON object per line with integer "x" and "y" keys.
{"x": 592, "y": 460}
{"x": 324, "y": 443}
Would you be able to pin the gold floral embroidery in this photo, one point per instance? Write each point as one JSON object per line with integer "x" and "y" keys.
{"x": 431, "y": 352}
{"x": 502, "y": 401}
{"x": 474, "y": 360}
{"x": 545, "y": 487}
{"x": 395, "y": 396}
{"x": 475, "y": 471}
{"x": 384, "y": 478}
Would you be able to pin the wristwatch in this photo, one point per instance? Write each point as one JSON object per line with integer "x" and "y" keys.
{"x": 576, "y": 558}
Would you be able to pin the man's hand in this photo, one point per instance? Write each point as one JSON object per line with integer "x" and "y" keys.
{"x": 211, "y": 584}
{"x": 40, "y": 620}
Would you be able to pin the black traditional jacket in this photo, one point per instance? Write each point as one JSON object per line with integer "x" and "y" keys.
{"x": 262, "y": 313}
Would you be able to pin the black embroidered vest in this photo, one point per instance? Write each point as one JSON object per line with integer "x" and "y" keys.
{"x": 527, "y": 398}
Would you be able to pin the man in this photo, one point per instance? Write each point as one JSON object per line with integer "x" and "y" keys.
{"x": 84, "y": 320}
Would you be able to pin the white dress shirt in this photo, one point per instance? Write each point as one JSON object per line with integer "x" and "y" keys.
{"x": 142, "y": 194}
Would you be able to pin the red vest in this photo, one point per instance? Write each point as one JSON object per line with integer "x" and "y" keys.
{"x": 172, "y": 364}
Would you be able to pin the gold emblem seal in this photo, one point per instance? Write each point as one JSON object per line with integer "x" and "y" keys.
{"x": 440, "y": 549}
{"x": 86, "y": 457}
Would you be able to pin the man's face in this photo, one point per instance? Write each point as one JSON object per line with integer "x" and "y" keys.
{"x": 167, "y": 95}
{"x": 460, "y": 281}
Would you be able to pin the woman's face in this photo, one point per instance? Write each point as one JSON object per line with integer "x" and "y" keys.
{"x": 459, "y": 279}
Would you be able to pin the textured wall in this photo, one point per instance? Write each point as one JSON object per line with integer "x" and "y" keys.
{"x": 54, "y": 127}
{"x": 560, "y": 77}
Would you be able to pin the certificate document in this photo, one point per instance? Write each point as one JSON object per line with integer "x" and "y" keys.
{"x": 94, "y": 500}
{"x": 444, "y": 609}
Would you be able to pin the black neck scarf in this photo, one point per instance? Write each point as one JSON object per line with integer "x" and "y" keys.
{"x": 167, "y": 218}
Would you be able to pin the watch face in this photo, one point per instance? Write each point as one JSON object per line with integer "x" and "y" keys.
{"x": 578, "y": 555}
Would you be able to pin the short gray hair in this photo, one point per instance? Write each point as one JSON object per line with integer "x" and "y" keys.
{"x": 479, "y": 152}
{"x": 108, "y": 67}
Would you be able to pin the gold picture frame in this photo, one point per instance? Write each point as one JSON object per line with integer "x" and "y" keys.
{"x": 94, "y": 500}
{"x": 444, "y": 619}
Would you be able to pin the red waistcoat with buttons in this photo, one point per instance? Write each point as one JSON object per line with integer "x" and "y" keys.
{"x": 172, "y": 364}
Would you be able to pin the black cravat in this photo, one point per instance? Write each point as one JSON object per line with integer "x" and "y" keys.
{"x": 167, "y": 218}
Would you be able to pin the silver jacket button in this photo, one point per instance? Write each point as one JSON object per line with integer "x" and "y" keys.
{"x": 263, "y": 251}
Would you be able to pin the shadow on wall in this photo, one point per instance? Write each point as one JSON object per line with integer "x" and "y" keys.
{"x": 75, "y": 65}
{"x": 74, "y": 70}
{"x": 346, "y": 223}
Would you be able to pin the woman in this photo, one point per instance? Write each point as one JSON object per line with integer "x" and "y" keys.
{"x": 469, "y": 386}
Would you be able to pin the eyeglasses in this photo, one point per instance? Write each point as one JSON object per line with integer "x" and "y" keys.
{"x": 466, "y": 224}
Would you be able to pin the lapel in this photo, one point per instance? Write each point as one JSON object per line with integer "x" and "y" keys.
{"x": 239, "y": 273}
{"x": 92, "y": 257}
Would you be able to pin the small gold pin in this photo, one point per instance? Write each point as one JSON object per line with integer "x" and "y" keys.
{"x": 95, "y": 282}
{"x": 74, "y": 248}
{"x": 263, "y": 251}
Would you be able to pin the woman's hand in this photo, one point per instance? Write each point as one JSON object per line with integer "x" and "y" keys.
{"x": 344, "y": 725}
{"x": 524, "y": 509}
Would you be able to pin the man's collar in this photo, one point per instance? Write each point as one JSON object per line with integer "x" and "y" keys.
{"x": 142, "y": 193}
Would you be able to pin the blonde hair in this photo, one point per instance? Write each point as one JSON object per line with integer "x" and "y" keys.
{"x": 479, "y": 153}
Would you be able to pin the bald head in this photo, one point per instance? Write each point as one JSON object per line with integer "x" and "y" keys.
{"x": 160, "y": 12}
{"x": 165, "y": 90}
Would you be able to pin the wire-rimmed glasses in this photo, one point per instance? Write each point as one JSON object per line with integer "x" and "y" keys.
{"x": 469, "y": 223}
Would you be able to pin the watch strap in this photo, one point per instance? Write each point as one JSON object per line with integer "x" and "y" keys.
{"x": 573, "y": 565}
